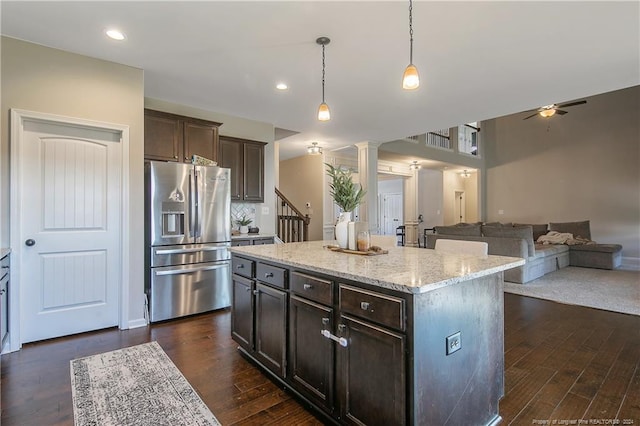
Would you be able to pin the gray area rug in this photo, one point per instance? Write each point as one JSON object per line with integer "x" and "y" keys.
{"x": 617, "y": 290}
{"x": 138, "y": 385}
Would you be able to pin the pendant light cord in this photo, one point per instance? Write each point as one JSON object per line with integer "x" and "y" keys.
{"x": 323, "y": 73}
{"x": 410, "y": 32}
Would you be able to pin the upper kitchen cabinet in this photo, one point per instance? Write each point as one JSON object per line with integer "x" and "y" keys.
{"x": 171, "y": 137}
{"x": 245, "y": 158}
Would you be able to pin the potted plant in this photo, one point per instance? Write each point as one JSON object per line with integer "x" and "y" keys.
{"x": 244, "y": 224}
{"x": 347, "y": 195}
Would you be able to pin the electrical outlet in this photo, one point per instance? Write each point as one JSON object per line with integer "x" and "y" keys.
{"x": 265, "y": 210}
{"x": 453, "y": 343}
{"x": 500, "y": 211}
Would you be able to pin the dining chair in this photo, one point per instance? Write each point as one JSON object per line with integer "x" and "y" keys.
{"x": 478, "y": 248}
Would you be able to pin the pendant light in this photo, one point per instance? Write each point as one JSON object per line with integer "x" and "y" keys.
{"x": 410, "y": 79}
{"x": 323, "y": 109}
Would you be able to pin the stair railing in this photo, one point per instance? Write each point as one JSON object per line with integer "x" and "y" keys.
{"x": 292, "y": 225}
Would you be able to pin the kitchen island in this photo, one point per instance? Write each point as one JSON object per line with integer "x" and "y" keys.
{"x": 409, "y": 337}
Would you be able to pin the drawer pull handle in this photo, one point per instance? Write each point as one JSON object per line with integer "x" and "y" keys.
{"x": 241, "y": 266}
{"x": 248, "y": 289}
{"x": 307, "y": 286}
{"x": 364, "y": 306}
{"x": 341, "y": 340}
{"x": 256, "y": 292}
{"x": 268, "y": 275}
{"x": 325, "y": 321}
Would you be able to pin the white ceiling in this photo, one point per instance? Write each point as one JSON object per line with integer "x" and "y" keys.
{"x": 477, "y": 60}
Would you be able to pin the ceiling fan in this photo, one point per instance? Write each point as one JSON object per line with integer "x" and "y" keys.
{"x": 553, "y": 109}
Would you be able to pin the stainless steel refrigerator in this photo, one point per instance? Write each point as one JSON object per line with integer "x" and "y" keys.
{"x": 188, "y": 235}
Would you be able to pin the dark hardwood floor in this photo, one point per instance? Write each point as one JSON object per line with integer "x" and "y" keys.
{"x": 563, "y": 363}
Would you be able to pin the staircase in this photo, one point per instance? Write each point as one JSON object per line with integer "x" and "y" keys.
{"x": 292, "y": 225}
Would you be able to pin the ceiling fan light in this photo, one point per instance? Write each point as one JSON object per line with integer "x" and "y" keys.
{"x": 410, "y": 79}
{"x": 323, "y": 112}
{"x": 546, "y": 113}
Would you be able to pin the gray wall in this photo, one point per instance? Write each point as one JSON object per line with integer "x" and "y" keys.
{"x": 42, "y": 79}
{"x": 583, "y": 165}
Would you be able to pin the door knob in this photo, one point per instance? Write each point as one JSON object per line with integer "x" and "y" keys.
{"x": 30, "y": 242}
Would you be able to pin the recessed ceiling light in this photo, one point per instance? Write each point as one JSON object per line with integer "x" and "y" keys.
{"x": 115, "y": 34}
{"x": 282, "y": 86}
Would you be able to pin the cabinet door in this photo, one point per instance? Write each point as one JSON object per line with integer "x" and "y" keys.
{"x": 242, "y": 312}
{"x": 162, "y": 137}
{"x": 253, "y": 172}
{"x": 271, "y": 311}
{"x": 200, "y": 139}
{"x": 311, "y": 355}
{"x": 371, "y": 374}
{"x": 230, "y": 156}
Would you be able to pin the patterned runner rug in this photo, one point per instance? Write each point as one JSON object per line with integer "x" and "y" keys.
{"x": 138, "y": 385}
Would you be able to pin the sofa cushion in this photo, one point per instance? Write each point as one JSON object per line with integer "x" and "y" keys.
{"x": 465, "y": 229}
{"x": 544, "y": 250}
{"x": 498, "y": 224}
{"x": 524, "y": 232}
{"x": 602, "y": 248}
{"x": 578, "y": 229}
{"x": 538, "y": 230}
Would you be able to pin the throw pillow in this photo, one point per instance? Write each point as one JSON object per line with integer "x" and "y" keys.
{"x": 538, "y": 230}
{"x": 524, "y": 232}
{"x": 460, "y": 229}
{"x": 578, "y": 229}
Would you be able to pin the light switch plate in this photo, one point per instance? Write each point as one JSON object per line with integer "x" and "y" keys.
{"x": 265, "y": 210}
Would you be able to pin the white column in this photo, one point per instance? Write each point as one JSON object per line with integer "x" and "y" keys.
{"x": 410, "y": 208}
{"x": 368, "y": 175}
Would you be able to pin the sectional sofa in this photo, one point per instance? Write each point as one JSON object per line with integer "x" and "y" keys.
{"x": 520, "y": 240}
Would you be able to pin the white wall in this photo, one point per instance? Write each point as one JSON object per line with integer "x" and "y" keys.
{"x": 579, "y": 166}
{"x": 42, "y": 79}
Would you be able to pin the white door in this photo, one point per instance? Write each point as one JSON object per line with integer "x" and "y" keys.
{"x": 391, "y": 212}
{"x": 70, "y": 265}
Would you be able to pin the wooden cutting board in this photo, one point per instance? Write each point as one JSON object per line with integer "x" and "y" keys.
{"x": 363, "y": 253}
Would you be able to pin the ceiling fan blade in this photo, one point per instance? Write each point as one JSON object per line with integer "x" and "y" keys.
{"x": 561, "y": 112}
{"x": 572, "y": 104}
{"x": 532, "y": 115}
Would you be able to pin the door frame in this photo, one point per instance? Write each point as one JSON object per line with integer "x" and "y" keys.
{"x": 18, "y": 119}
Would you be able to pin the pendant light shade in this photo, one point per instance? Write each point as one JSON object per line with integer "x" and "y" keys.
{"x": 314, "y": 149}
{"x": 323, "y": 110}
{"x": 410, "y": 79}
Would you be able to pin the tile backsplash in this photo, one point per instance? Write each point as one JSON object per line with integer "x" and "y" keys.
{"x": 243, "y": 209}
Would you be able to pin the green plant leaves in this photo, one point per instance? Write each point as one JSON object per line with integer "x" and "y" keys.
{"x": 345, "y": 193}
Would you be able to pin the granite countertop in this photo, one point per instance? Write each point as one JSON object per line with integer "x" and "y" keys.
{"x": 250, "y": 236}
{"x": 4, "y": 252}
{"x": 407, "y": 269}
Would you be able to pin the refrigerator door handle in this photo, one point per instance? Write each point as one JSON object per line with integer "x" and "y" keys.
{"x": 191, "y": 250}
{"x": 190, "y": 270}
{"x": 192, "y": 210}
{"x": 199, "y": 192}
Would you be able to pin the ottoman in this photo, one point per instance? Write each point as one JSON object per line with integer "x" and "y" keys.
{"x": 602, "y": 256}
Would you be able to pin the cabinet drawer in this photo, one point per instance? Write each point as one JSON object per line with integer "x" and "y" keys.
{"x": 4, "y": 266}
{"x": 312, "y": 288}
{"x": 377, "y": 307}
{"x": 262, "y": 241}
{"x": 237, "y": 243}
{"x": 271, "y": 275}
{"x": 242, "y": 266}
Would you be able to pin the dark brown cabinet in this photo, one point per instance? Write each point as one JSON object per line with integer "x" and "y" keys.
{"x": 373, "y": 359}
{"x": 245, "y": 158}
{"x": 270, "y": 326}
{"x": 259, "y": 312}
{"x": 251, "y": 241}
{"x": 171, "y": 137}
{"x": 311, "y": 355}
{"x": 242, "y": 314}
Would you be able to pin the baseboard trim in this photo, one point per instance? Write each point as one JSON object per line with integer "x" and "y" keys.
{"x": 630, "y": 263}
{"x": 137, "y": 323}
